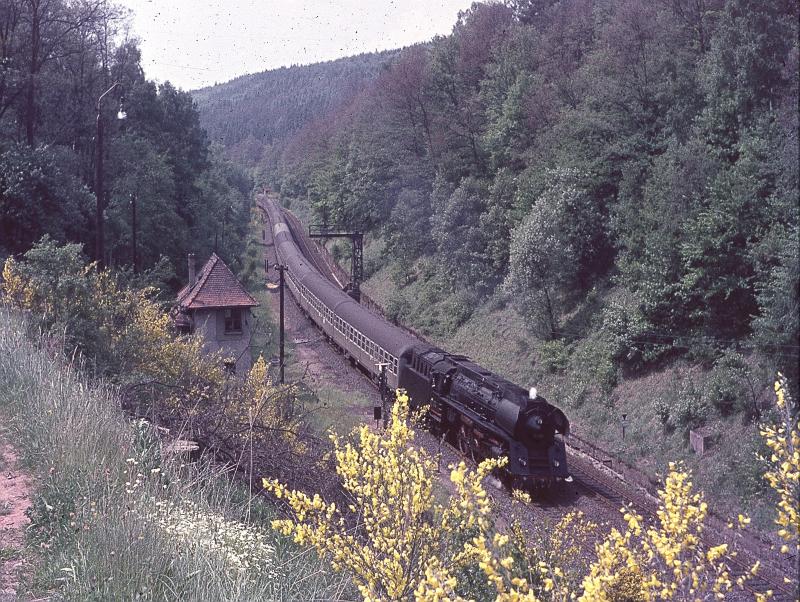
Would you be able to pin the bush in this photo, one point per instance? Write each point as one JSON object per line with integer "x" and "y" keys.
{"x": 661, "y": 407}
{"x": 121, "y": 330}
{"x": 627, "y": 332}
{"x": 691, "y": 410}
{"x": 595, "y": 359}
{"x": 731, "y": 386}
{"x": 553, "y": 356}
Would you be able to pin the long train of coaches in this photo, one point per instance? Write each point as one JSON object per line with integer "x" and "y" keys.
{"x": 481, "y": 413}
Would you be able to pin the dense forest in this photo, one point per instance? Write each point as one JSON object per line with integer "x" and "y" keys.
{"x": 547, "y": 149}
{"x": 249, "y": 113}
{"x": 56, "y": 60}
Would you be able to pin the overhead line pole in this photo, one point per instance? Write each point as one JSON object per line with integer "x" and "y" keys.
{"x": 357, "y": 263}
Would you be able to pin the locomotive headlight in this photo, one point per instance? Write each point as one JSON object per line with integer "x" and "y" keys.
{"x": 556, "y": 463}
{"x": 535, "y": 422}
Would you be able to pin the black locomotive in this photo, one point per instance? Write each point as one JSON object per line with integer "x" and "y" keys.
{"x": 479, "y": 412}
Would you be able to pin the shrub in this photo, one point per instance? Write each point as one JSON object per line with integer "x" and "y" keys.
{"x": 690, "y": 409}
{"x": 661, "y": 407}
{"x": 628, "y": 335}
{"x": 665, "y": 560}
{"x": 593, "y": 357}
{"x": 732, "y": 386}
{"x": 553, "y": 356}
{"x": 783, "y": 468}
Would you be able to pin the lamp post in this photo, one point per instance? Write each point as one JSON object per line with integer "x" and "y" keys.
{"x": 133, "y": 237}
{"x": 99, "y": 191}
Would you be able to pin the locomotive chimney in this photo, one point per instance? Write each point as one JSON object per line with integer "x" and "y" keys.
{"x": 191, "y": 269}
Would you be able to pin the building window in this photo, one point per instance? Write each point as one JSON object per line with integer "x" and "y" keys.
{"x": 233, "y": 320}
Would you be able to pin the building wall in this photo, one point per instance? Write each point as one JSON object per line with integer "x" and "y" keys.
{"x": 210, "y": 323}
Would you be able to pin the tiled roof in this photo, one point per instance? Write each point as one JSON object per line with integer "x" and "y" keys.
{"x": 216, "y": 286}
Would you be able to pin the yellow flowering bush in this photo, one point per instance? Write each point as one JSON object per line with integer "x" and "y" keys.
{"x": 666, "y": 561}
{"x": 122, "y": 330}
{"x": 262, "y": 413}
{"x": 554, "y": 555}
{"x": 391, "y": 531}
{"x": 393, "y": 537}
{"x": 14, "y": 285}
{"x": 783, "y": 468}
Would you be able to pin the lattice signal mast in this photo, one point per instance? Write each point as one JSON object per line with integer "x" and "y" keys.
{"x": 357, "y": 265}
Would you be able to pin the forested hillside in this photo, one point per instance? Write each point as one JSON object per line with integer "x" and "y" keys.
{"x": 551, "y": 149}
{"x": 250, "y": 113}
{"x": 56, "y": 59}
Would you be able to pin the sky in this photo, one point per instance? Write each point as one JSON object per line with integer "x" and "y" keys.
{"x": 196, "y": 43}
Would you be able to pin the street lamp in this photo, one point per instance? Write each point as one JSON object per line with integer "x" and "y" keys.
{"x": 133, "y": 228}
{"x": 99, "y": 192}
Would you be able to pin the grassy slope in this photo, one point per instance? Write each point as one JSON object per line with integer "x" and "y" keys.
{"x": 98, "y": 479}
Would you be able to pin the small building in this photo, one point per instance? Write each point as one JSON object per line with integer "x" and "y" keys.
{"x": 215, "y": 305}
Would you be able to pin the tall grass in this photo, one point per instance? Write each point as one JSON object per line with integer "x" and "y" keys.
{"x": 113, "y": 518}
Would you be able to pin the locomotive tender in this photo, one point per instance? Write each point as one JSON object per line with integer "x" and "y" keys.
{"x": 481, "y": 413}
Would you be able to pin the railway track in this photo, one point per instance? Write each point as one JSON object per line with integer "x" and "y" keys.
{"x": 590, "y": 465}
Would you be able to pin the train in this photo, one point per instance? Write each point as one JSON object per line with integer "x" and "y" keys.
{"x": 478, "y": 412}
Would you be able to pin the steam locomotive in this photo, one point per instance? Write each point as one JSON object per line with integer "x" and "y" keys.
{"x": 477, "y": 411}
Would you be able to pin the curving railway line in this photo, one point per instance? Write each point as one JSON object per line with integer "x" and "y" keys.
{"x": 591, "y": 473}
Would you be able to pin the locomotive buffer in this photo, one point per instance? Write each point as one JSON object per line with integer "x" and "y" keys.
{"x": 357, "y": 265}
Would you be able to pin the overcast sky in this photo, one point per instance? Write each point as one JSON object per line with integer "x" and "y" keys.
{"x": 195, "y": 43}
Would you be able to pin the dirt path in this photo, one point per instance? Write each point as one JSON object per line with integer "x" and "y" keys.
{"x": 15, "y": 495}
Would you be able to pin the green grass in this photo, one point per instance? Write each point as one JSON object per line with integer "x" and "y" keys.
{"x": 98, "y": 480}
{"x": 338, "y": 410}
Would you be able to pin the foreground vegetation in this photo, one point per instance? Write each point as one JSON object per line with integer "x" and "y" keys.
{"x": 400, "y": 543}
{"x": 115, "y": 517}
